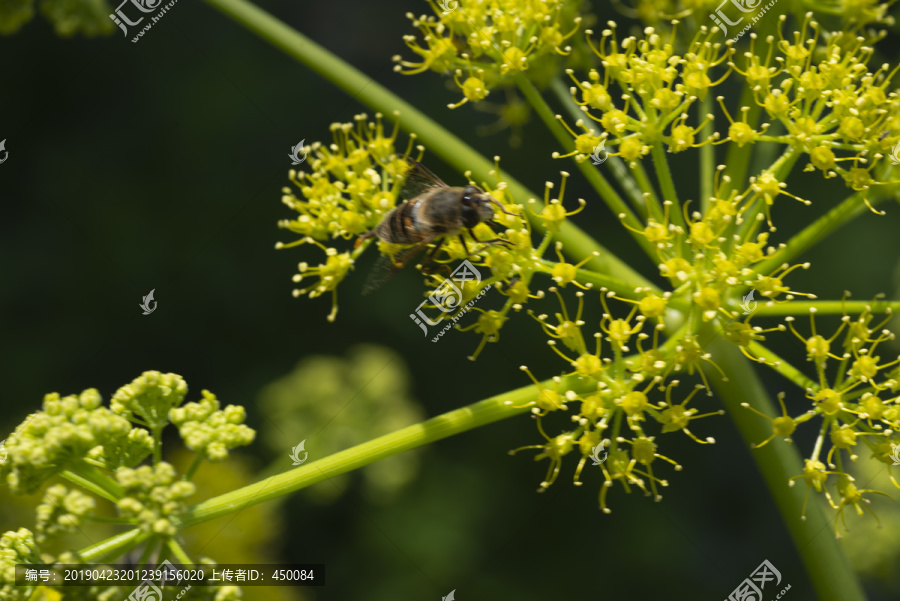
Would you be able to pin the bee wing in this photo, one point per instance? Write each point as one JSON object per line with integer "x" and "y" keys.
{"x": 385, "y": 268}
{"x": 419, "y": 179}
{"x": 383, "y": 271}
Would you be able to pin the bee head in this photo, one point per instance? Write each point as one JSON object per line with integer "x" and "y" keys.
{"x": 476, "y": 206}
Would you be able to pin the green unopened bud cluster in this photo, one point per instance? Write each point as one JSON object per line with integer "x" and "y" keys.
{"x": 154, "y": 497}
{"x": 62, "y": 511}
{"x": 211, "y": 431}
{"x": 101, "y": 449}
{"x": 63, "y": 434}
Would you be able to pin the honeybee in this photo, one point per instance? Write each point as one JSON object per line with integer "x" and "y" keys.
{"x": 433, "y": 212}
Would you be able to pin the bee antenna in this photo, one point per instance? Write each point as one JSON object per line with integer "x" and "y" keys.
{"x": 502, "y": 208}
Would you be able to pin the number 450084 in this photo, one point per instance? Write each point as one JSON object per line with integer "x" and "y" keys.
{"x": 293, "y": 575}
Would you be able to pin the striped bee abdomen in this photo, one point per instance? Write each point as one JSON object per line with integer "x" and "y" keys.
{"x": 400, "y": 225}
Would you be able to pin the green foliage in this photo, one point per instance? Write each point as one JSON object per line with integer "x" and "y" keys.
{"x": 14, "y": 14}
{"x": 69, "y": 17}
{"x": 368, "y": 391}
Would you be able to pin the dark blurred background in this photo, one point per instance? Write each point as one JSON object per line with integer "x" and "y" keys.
{"x": 159, "y": 165}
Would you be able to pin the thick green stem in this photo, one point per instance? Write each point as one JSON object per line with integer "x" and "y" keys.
{"x": 666, "y": 183}
{"x": 819, "y": 229}
{"x": 827, "y": 307}
{"x": 825, "y": 562}
{"x": 737, "y": 160}
{"x": 495, "y": 408}
{"x": 707, "y": 154}
{"x": 439, "y": 140}
{"x": 432, "y": 430}
{"x": 113, "y": 546}
{"x": 781, "y": 366}
{"x": 95, "y": 480}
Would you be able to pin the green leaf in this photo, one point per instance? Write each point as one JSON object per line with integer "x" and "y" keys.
{"x": 69, "y": 17}
{"x": 14, "y": 14}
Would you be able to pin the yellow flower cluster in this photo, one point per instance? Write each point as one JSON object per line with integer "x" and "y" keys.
{"x": 860, "y": 403}
{"x": 353, "y": 183}
{"x": 643, "y": 96}
{"x": 610, "y": 393}
{"x": 831, "y": 106}
{"x": 486, "y": 40}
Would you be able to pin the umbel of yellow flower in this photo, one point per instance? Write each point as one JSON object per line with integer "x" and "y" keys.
{"x": 483, "y": 42}
{"x": 835, "y": 110}
{"x": 353, "y": 183}
{"x": 356, "y": 181}
{"x": 641, "y": 97}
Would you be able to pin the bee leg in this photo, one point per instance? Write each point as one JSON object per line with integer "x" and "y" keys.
{"x": 508, "y": 285}
{"x": 428, "y": 265}
{"x": 494, "y": 224}
{"x": 487, "y": 242}
{"x": 362, "y": 237}
{"x": 463, "y": 240}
